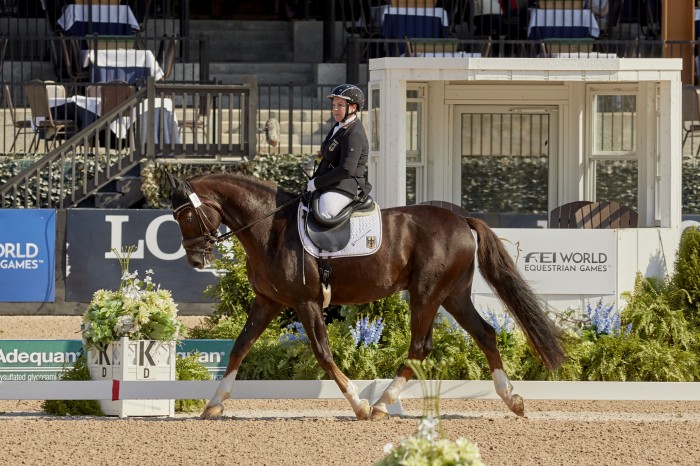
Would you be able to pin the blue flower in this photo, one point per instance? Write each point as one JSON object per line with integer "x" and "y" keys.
{"x": 604, "y": 320}
{"x": 458, "y": 328}
{"x": 502, "y": 323}
{"x": 492, "y": 319}
{"x": 295, "y": 332}
{"x": 367, "y": 333}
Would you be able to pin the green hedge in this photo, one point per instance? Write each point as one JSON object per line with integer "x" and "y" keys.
{"x": 490, "y": 184}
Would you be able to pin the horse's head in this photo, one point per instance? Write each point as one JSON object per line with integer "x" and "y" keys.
{"x": 199, "y": 219}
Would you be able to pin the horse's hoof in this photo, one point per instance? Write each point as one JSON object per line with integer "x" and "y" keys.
{"x": 362, "y": 412}
{"x": 378, "y": 413}
{"x": 212, "y": 412}
{"x": 517, "y": 405}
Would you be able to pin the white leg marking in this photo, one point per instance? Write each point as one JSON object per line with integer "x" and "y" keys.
{"x": 352, "y": 396}
{"x": 503, "y": 385}
{"x": 223, "y": 390}
{"x": 391, "y": 394}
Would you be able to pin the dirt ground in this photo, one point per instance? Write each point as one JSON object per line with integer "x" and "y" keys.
{"x": 324, "y": 432}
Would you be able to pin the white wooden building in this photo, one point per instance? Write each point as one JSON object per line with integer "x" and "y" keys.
{"x": 417, "y": 113}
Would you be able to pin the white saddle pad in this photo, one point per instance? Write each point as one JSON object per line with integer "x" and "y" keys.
{"x": 365, "y": 235}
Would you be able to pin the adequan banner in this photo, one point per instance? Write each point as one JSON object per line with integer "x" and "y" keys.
{"x": 37, "y": 360}
{"x": 27, "y": 255}
{"x": 91, "y": 234}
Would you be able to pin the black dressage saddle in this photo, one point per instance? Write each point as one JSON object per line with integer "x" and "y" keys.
{"x": 333, "y": 234}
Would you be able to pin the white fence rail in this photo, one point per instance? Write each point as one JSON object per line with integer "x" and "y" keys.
{"x": 327, "y": 389}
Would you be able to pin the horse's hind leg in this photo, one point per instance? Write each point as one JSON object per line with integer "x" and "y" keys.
{"x": 422, "y": 317}
{"x": 464, "y": 312}
{"x": 311, "y": 318}
{"x": 261, "y": 313}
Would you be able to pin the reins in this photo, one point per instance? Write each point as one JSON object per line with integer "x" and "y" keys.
{"x": 209, "y": 233}
{"x": 233, "y": 233}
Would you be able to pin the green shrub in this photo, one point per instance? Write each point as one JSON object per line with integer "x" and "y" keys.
{"x": 631, "y": 358}
{"x": 652, "y": 313}
{"x": 686, "y": 279}
{"x": 189, "y": 368}
{"x": 79, "y": 371}
{"x": 232, "y": 292}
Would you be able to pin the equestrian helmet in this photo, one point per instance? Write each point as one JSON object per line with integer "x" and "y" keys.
{"x": 349, "y": 92}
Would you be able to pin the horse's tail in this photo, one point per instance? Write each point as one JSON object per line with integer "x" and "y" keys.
{"x": 500, "y": 272}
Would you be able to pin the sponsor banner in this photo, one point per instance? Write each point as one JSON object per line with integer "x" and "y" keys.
{"x": 213, "y": 354}
{"x": 561, "y": 261}
{"x": 91, "y": 265}
{"x": 27, "y": 255}
{"x": 35, "y": 360}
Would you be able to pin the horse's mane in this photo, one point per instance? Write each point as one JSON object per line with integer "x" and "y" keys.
{"x": 241, "y": 177}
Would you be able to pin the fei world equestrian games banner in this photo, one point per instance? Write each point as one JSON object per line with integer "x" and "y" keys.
{"x": 27, "y": 255}
{"x": 92, "y": 234}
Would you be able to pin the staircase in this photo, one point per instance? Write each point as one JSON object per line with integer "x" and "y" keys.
{"x": 122, "y": 192}
{"x": 263, "y": 48}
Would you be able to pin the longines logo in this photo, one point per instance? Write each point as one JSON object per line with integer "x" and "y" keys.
{"x": 550, "y": 261}
{"x": 150, "y": 242}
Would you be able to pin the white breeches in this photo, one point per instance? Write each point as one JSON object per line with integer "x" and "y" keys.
{"x": 331, "y": 202}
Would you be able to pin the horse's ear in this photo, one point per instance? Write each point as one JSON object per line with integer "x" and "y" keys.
{"x": 175, "y": 183}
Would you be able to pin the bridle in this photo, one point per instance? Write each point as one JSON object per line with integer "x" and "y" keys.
{"x": 209, "y": 233}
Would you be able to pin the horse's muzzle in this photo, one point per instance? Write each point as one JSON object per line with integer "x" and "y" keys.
{"x": 200, "y": 260}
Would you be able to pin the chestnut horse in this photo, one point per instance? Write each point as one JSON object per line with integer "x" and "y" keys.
{"x": 426, "y": 250}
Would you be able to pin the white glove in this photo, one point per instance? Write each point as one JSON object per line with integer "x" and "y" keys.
{"x": 311, "y": 186}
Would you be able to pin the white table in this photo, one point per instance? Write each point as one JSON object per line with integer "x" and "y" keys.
{"x": 122, "y": 64}
{"x": 378, "y": 12}
{"x": 563, "y": 23}
{"x": 81, "y": 20}
{"x": 163, "y": 110}
{"x": 448, "y": 54}
{"x": 582, "y": 55}
{"x": 91, "y": 104}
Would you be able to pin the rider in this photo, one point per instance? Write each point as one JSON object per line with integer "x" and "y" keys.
{"x": 340, "y": 175}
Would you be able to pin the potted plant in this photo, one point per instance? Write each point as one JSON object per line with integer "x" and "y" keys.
{"x": 130, "y": 334}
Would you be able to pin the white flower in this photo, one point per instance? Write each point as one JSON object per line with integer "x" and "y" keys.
{"x": 129, "y": 312}
{"x": 426, "y": 428}
{"x": 388, "y": 447}
{"x": 124, "y": 325}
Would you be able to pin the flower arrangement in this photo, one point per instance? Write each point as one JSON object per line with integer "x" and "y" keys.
{"x": 429, "y": 445}
{"x": 139, "y": 310}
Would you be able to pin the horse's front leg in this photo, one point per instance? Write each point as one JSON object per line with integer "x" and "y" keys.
{"x": 312, "y": 319}
{"x": 262, "y": 311}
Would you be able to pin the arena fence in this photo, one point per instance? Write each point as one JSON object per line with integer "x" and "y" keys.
{"x": 327, "y": 389}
